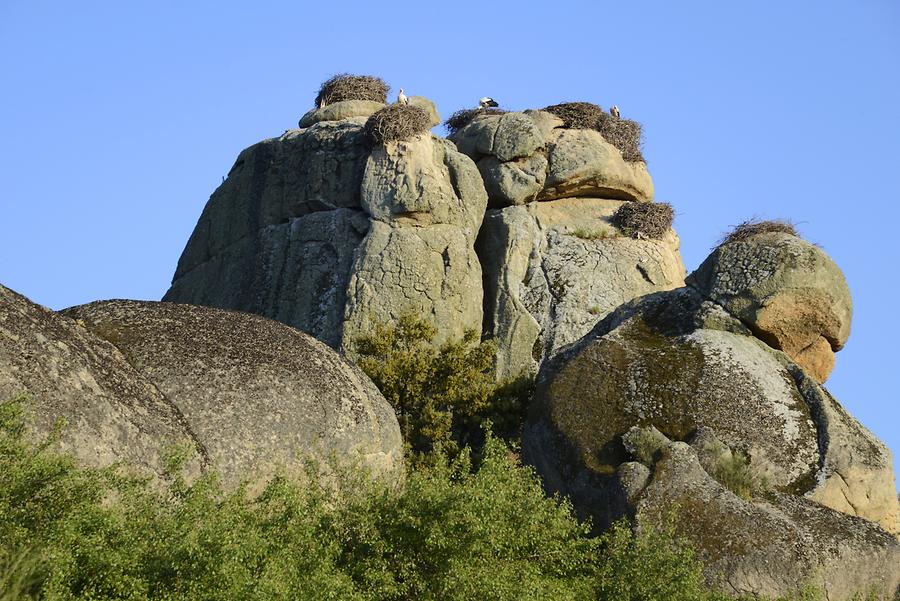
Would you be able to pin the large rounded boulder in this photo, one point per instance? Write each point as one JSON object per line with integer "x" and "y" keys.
{"x": 260, "y": 396}
{"x": 680, "y": 368}
{"x": 110, "y": 414}
{"x": 785, "y": 289}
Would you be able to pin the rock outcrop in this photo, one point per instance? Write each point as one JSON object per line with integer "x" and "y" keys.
{"x": 552, "y": 270}
{"x": 318, "y": 230}
{"x": 110, "y": 413}
{"x": 259, "y": 396}
{"x": 788, "y": 291}
{"x": 688, "y": 368}
{"x": 530, "y": 156}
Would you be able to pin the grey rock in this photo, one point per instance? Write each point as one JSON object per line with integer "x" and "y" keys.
{"x": 428, "y": 106}
{"x": 582, "y": 163}
{"x": 527, "y": 156}
{"x": 431, "y": 271}
{"x": 260, "y": 396}
{"x": 276, "y": 180}
{"x": 514, "y": 182}
{"x": 788, "y": 291}
{"x": 112, "y": 414}
{"x": 362, "y": 236}
{"x": 769, "y": 546}
{"x": 546, "y": 287}
{"x": 681, "y": 364}
{"x": 339, "y": 111}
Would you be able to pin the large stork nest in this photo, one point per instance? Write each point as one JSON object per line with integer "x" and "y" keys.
{"x": 624, "y": 134}
{"x": 462, "y": 118}
{"x": 644, "y": 219}
{"x": 753, "y": 227}
{"x": 352, "y": 87}
{"x": 397, "y": 122}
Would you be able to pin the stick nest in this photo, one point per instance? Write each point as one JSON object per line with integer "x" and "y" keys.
{"x": 624, "y": 134}
{"x": 754, "y": 227}
{"x": 644, "y": 220}
{"x": 397, "y": 122}
{"x": 352, "y": 87}
{"x": 462, "y": 118}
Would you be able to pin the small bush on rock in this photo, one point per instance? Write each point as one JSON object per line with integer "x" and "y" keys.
{"x": 754, "y": 227}
{"x": 644, "y": 220}
{"x": 352, "y": 87}
{"x": 396, "y": 122}
{"x": 442, "y": 396}
{"x": 624, "y": 134}
{"x": 462, "y": 118}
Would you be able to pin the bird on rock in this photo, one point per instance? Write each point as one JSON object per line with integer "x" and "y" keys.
{"x": 401, "y": 98}
{"x": 487, "y": 102}
{"x": 614, "y": 111}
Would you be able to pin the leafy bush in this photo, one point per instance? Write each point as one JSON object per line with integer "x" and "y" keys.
{"x": 462, "y": 118}
{"x": 396, "y": 122}
{"x": 753, "y": 227}
{"x": 644, "y": 219}
{"x": 467, "y": 529}
{"x": 624, "y": 134}
{"x": 442, "y": 396}
{"x": 352, "y": 87}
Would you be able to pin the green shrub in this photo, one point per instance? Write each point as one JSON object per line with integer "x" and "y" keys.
{"x": 753, "y": 227}
{"x": 644, "y": 219}
{"x": 442, "y": 395}
{"x": 462, "y": 118}
{"x": 352, "y": 87}
{"x": 468, "y": 529}
{"x": 586, "y": 234}
{"x": 396, "y": 122}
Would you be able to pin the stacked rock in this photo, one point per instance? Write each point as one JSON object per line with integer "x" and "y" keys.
{"x": 707, "y": 398}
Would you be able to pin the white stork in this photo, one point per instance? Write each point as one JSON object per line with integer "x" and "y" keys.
{"x": 614, "y": 111}
{"x": 401, "y": 98}
{"x": 487, "y": 102}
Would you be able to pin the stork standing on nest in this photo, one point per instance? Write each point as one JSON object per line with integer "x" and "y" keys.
{"x": 401, "y": 98}
{"x": 614, "y": 111}
{"x": 487, "y": 102}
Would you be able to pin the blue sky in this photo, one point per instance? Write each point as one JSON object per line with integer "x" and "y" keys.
{"x": 119, "y": 119}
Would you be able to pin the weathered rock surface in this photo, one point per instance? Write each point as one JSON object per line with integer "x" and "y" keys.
{"x": 259, "y": 395}
{"x": 320, "y": 231}
{"x": 529, "y": 156}
{"x": 338, "y": 111}
{"x": 552, "y": 270}
{"x": 788, "y": 291}
{"x": 112, "y": 414}
{"x": 772, "y": 545}
{"x": 684, "y": 365}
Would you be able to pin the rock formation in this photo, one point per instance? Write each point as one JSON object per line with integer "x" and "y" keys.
{"x": 259, "y": 396}
{"x": 707, "y": 376}
{"x": 320, "y": 231}
{"x": 111, "y": 414}
{"x": 135, "y": 380}
{"x": 554, "y": 268}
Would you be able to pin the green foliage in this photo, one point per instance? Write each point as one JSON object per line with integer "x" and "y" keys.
{"x": 629, "y": 561}
{"x": 731, "y": 468}
{"x": 586, "y": 234}
{"x": 459, "y": 530}
{"x": 442, "y": 396}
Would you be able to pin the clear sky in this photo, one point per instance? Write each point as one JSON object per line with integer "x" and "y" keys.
{"x": 119, "y": 119}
